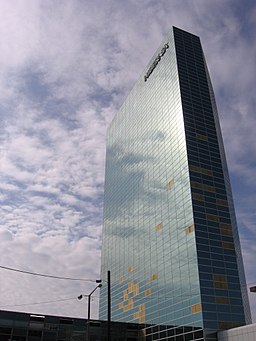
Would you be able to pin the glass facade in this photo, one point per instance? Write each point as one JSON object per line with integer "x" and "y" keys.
{"x": 170, "y": 239}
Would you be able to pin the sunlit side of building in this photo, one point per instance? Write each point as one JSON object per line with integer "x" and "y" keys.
{"x": 170, "y": 236}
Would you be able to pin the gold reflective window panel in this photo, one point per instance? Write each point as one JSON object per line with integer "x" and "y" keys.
{"x": 136, "y": 315}
{"x": 228, "y": 245}
{"x": 190, "y": 229}
{"x": 130, "y": 268}
{"x": 142, "y": 307}
{"x": 200, "y": 170}
{"x": 222, "y": 202}
{"x": 120, "y": 305}
{"x": 226, "y": 226}
{"x": 212, "y": 217}
{"x": 201, "y": 137}
{"x": 142, "y": 319}
{"x": 170, "y": 184}
{"x": 159, "y": 227}
{"x": 136, "y": 289}
{"x": 221, "y": 300}
{"x": 121, "y": 279}
{"x": 140, "y": 314}
{"x": 196, "y": 308}
{"x": 198, "y": 197}
{"x": 209, "y": 188}
{"x": 203, "y": 187}
{"x": 196, "y": 185}
{"x": 226, "y": 229}
{"x": 220, "y": 285}
{"x": 225, "y": 232}
{"x": 220, "y": 281}
{"x": 133, "y": 288}
{"x": 125, "y": 295}
{"x": 130, "y": 303}
{"x": 219, "y": 278}
{"x": 147, "y": 292}
{"x": 153, "y": 277}
{"x": 130, "y": 287}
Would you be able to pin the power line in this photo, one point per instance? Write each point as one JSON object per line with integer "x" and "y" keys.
{"x": 43, "y": 302}
{"x": 34, "y": 303}
{"x": 61, "y": 277}
{"x": 45, "y": 275}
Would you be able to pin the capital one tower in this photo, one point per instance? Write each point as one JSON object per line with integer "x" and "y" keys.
{"x": 170, "y": 236}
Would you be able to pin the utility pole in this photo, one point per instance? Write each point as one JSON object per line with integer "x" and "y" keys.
{"x": 109, "y": 307}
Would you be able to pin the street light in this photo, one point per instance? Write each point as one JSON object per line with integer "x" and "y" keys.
{"x": 89, "y": 306}
{"x": 108, "y": 281}
{"x": 109, "y": 305}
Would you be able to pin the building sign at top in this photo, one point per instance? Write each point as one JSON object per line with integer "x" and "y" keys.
{"x": 156, "y": 61}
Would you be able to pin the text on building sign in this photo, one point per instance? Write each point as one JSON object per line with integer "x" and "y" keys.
{"x": 156, "y": 61}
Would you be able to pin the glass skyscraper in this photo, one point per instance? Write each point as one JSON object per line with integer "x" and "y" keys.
{"x": 170, "y": 236}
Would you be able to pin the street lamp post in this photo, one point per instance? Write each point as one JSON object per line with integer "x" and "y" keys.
{"x": 89, "y": 308}
{"x": 109, "y": 305}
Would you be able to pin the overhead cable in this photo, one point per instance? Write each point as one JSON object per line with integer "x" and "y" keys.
{"x": 34, "y": 303}
{"x": 46, "y": 275}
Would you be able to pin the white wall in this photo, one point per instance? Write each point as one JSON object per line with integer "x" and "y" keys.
{"x": 245, "y": 333}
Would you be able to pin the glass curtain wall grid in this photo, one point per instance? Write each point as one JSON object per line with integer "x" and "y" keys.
{"x": 170, "y": 236}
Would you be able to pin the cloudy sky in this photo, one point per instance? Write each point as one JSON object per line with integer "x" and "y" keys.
{"x": 66, "y": 67}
